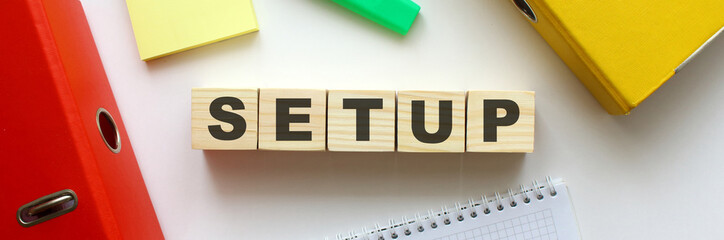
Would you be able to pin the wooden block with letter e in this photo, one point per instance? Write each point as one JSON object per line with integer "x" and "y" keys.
{"x": 292, "y": 119}
{"x": 431, "y": 121}
{"x": 361, "y": 120}
{"x": 501, "y": 121}
{"x": 224, "y": 119}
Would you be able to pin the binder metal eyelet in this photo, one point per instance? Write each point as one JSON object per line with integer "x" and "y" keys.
{"x": 109, "y": 130}
{"x": 47, "y": 207}
{"x": 526, "y": 10}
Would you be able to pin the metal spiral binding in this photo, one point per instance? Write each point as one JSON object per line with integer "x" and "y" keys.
{"x": 433, "y": 220}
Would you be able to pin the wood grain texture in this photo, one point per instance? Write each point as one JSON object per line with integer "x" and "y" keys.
{"x": 407, "y": 142}
{"x": 201, "y": 119}
{"x": 518, "y": 137}
{"x": 342, "y": 123}
{"x": 317, "y": 119}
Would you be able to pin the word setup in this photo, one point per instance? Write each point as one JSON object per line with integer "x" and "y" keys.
{"x": 362, "y": 120}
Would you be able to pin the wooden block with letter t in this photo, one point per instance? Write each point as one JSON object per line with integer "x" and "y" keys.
{"x": 501, "y": 121}
{"x": 292, "y": 119}
{"x": 361, "y": 120}
{"x": 224, "y": 119}
{"x": 431, "y": 121}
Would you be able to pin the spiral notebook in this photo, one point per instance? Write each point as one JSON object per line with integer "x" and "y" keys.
{"x": 539, "y": 211}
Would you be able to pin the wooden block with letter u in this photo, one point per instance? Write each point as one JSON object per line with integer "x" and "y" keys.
{"x": 501, "y": 121}
{"x": 224, "y": 119}
{"x": 431, "y": 121}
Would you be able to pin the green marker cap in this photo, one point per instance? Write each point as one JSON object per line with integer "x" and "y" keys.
{"x": 397, "y": 15}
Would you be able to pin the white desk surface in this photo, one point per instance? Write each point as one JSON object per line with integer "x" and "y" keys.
{"x": 655, "y": 174}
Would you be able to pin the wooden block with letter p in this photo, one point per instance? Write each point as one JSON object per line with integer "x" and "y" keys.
{"x": 501, "y": 121}
{"x": 361, "y": 120}
{"x": 224, "y": 119}
{"x": 431, "y": 121}
{"x": 292, "y": 119}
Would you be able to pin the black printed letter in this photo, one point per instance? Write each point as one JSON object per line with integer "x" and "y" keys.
{"x": 418, "y": 122}
{"x": 491, "y": 120}
{"x": 234, "y": 119}
{"x": 363, "y": 107}
{"x": 284, "y": 118}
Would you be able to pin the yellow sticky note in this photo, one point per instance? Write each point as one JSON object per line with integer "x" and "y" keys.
{"x": 164, "y": 27}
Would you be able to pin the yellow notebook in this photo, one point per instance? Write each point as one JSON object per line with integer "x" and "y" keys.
{"x": 164, "y": 27}
{"x": 624, "y": 50}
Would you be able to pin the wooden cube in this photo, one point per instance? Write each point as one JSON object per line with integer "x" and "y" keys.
{"x": 359, "y": 120}
{"x": 501, "y": 121}
{"x": 431, "y": 121}
{"x": 224, "y": 118}
{"x": 292, "y": 119}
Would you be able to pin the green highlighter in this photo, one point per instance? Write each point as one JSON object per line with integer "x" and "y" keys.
{"x": 397, "y": 15}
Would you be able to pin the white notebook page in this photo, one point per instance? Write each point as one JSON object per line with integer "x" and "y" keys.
{"x": 549, "y": 218}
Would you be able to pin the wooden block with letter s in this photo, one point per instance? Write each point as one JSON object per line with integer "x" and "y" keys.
{"x": 292, "y": 119}
{"x": 361, "y": 120}
{"x": 224, "y": 119}
{"x": 431, "y": 121}
{"x": 500, "y": 121}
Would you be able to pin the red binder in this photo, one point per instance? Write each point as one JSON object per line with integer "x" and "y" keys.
{"x": 68, "y": 169}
